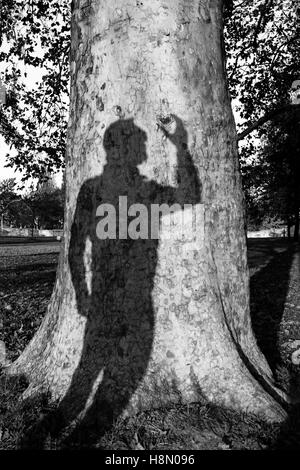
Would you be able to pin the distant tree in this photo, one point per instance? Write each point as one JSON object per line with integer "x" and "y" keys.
{"x": 262, "y": 39}
{"x": 271, "y": 175}
{"x": 47, "y": 203}
{"x": 7, "y": 191}
{"x": 21, "y": 214}
{"x": 7, "y": 196}
{"x": 281, "y": 153}
{"x": 42, "y": 208}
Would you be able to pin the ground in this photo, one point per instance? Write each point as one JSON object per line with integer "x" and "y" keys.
{"x": 27, "y": 275}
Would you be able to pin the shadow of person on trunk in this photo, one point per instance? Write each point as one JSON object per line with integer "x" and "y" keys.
{"x": 113, "y": 275}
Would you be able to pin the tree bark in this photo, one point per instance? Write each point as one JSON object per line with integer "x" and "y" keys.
{"x": 137, "y": 324}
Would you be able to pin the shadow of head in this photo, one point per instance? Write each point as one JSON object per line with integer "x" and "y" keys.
{"x": 125, "y": 143}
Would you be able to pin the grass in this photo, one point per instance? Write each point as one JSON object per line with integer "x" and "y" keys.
{"x": 26, "y": 281}
{"x": 199, "y": 426}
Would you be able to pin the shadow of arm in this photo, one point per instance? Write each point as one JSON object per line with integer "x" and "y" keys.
{"x": 188, "y": 190}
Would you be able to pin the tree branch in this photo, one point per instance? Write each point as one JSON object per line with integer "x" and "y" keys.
{"x": 49, "y": 150}
{"x": 262, "y": 20}
{"x": 267, "y": 117}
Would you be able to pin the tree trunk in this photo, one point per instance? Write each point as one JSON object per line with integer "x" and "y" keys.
{"x": 141, "y": 323}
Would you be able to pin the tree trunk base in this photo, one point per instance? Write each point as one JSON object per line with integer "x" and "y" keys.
{"x": 188, "y": 362}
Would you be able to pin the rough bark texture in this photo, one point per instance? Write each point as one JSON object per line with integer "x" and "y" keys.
{"x": 140, "y": 323}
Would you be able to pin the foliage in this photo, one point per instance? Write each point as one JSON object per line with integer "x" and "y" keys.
{"x": 280, "y": 155}
{"x": 262, "y": 40}
{"x": 42, "y": 208}
{"x": 272, "y": 177}
{"x": 47, "y": 204}
{"x": 7, "y": 193}
{"x": 35, "y": 38}
{"x": 8, "y": 196}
